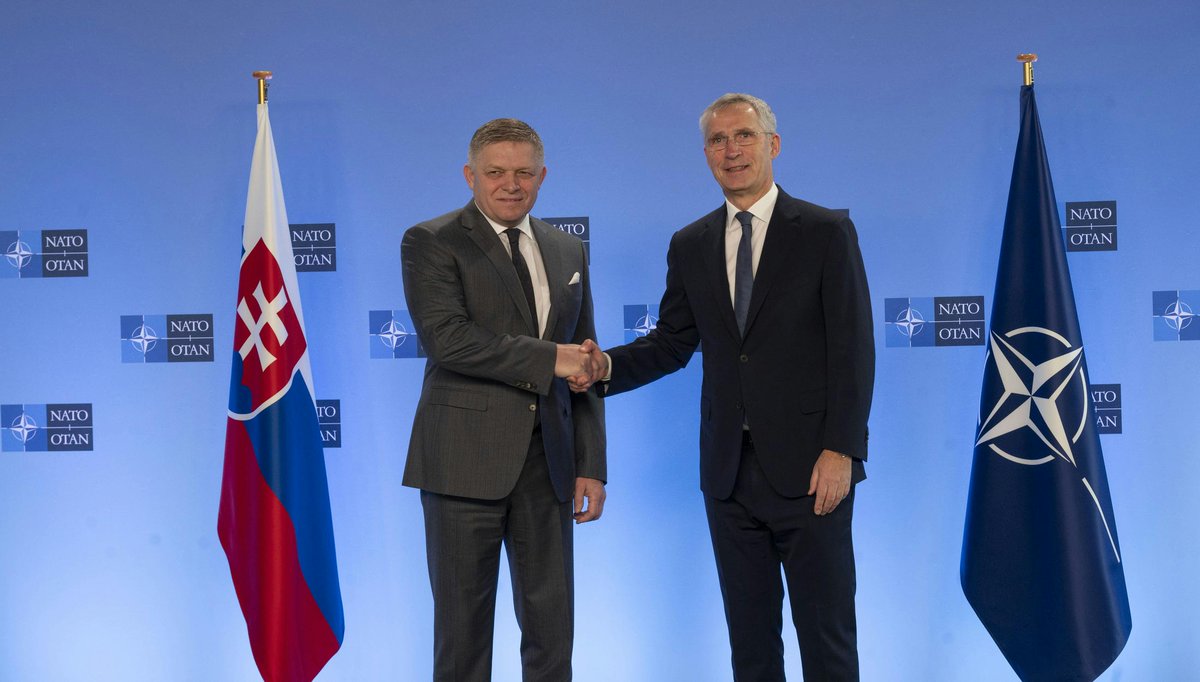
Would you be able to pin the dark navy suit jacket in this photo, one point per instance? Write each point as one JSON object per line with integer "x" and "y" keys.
{"x": 802, "y": 376}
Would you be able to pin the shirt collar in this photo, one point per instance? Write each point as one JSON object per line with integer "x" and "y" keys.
{"x": 761, "y": 209}
{"x": 522, "y": 226}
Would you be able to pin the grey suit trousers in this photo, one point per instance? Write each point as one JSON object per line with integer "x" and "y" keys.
{"x": 463, "y": 538}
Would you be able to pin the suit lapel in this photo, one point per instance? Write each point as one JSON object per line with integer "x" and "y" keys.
{"x": 713, "y": 243}
{"x": 554, "y": 260}
{"x": 783, "y": 237}
{"x": 488, "y": 241}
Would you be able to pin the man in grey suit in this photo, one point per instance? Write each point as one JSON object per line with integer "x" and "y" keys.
{"x": 503, "y": 452}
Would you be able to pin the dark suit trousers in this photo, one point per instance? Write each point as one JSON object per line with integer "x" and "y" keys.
{"x": 754, "y": 532}
{"x": 463, "y": 538}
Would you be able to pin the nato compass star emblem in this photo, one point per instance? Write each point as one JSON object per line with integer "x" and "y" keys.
{"x": 644, "y": 325}
{"x": 1042, "y": 408}
{"x": 144, "y": 338}
{"x": 23, "y": 428}
{"x": 909, "y": 322}
{"x": 393, "y": 334}
{"x": 19, "y": 254}
{"x": 1178, "y": 315}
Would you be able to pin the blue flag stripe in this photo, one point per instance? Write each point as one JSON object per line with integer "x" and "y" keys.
{"x": 287, "y": 444}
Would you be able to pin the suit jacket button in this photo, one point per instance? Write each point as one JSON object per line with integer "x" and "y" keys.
{"x": 744, "y": 358}
{"x": 533, "y": 407}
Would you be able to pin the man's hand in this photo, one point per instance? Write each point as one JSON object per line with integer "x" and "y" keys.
{"x": 572, "y": 361}
{"x": 599, "y": 368}
{"x": 592, "y": 490}
{"x": 830, "y": 481}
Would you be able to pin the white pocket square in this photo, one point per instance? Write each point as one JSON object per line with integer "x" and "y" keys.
{"x": 574, "y": 279}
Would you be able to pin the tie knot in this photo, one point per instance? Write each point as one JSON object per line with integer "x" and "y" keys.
{"x": 744, "y": 218}
{"x": 514, "y": 236}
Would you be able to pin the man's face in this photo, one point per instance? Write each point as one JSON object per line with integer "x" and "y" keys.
{"x": 744, "y": 173}
{"x": 505, "y": 179}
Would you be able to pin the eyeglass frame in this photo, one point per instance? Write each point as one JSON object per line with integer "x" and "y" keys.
{"x": 752, "y": 137}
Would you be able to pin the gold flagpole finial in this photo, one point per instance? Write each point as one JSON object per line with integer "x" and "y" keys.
{"x": 263, "y": 77}
{"x": 1028, "y": 60}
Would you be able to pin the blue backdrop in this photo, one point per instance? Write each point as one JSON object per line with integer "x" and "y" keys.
{"x": 137, "y": 124}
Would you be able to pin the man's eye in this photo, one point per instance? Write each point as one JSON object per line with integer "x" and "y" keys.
{"x": 744, "y": 136}
{"x": 717, "y": 140}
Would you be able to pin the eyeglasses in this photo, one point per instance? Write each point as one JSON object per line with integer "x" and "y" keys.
{"x": 742, "y": 138}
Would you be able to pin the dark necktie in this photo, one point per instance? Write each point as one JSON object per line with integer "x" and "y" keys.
{"x": 743, "y": 274}
{"x": 514, "y": 237}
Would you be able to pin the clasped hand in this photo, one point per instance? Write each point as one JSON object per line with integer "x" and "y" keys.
{"x": 580, "y": 364}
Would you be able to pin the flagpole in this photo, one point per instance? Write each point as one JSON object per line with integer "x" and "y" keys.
{"x": 1026, "y": 59}
{"x": 263, "y": 77}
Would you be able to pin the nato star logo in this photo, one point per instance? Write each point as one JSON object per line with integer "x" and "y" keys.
{"x": 390, "y": 335}
{"x": 1041, "y": 409}
{"x": 143, "y": 339}
{"x": 644, "y": 325}
{"x": 1030, "y": 399}
{"x": 19, "y": 254}
{"x": 23, "y": 428}
{"x": 640, "y": 320}
{"x": 1175, "y": 316}
{"x": 1178, "y": 315}
{"x": 905, "y": 325}
{"x": 909, "y": 322}
{"x": 393, "y": 334}
{"x": 140, "y": 340}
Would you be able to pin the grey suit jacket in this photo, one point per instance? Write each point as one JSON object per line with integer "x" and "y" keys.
{"x": 488, "y": 376}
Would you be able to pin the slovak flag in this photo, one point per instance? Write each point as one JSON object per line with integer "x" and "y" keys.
{"x": 274, "y": 521}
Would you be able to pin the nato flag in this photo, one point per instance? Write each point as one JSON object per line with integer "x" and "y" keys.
{"x": 1041, "y": 564}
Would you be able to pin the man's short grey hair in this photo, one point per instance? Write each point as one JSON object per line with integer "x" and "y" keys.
{"x": 765, "y": 116}
{"x": 504, "y": 130}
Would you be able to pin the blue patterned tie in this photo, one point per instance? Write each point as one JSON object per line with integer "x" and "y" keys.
{"x": 743, "y": 274}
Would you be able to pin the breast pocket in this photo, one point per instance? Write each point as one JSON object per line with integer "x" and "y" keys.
{"x": 570, "y": 301}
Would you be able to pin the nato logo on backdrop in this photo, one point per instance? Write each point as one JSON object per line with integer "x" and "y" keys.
{"x": 1175, "y": 315}
{"x": 44, "y": 253}
{"x": 1091, "y": 226}
{"x": 640, "y": 320}
{"x": 938, "y": 321}
{"x": 1106, "y": 404}
{"x": 329, "y": 420}
{"x": 58, "y": 427}
{"x": 314, "y": 247}
{"x": 393, "y": 335}
{"x": 166, "y": 338}
{"x": 580, "y": 227}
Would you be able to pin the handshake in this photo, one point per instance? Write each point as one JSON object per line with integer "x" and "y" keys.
{"x": 581, "y": 365}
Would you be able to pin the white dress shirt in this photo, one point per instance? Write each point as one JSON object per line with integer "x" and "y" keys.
{"x": 533, "y": 259}
{"x": 762, "y": 211}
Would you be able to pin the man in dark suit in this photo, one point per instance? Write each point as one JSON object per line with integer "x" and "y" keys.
{"x": 503, "y": 452}
{"x": 774, "y": 290}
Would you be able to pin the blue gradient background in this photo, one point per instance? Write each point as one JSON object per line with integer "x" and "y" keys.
{"x": 136, "y": 122}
